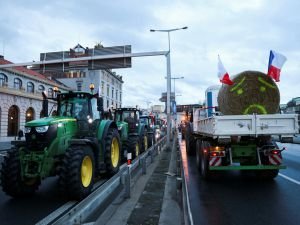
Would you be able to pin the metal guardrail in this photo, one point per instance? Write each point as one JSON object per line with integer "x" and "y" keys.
{"x": 78, "y": 212}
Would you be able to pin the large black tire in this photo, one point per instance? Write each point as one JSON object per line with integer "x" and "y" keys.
{"x": 190, "y": 140}
{"x": 134, "y": 146}
{"x": 204, "y": 156}
{"x": 11, "y": 181}
{"x": 76, "y": 175}
{"x": 198, "y": 154}
{"x": 112, "y": 156}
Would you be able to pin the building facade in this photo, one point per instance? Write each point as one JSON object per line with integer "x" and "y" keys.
{"x": 21, "y": 98}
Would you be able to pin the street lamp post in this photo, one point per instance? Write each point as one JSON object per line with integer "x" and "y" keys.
{"x": 168, "y": 80}
{"x": 176, "y": 78}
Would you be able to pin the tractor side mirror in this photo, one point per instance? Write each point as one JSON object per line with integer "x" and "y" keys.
{"x": 100, "y": 104}
{"x": 45, "y": 104}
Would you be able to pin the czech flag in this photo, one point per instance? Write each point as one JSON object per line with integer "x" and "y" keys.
{"x": 276, "y": 62}
{"x": 222, "y": 73}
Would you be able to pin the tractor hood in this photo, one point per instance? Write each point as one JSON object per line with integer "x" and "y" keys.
{"x": 46, "y": 121}
{"x": 121, "y": 124}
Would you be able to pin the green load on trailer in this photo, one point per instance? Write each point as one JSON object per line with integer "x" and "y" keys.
{"x": 237, "y": 133}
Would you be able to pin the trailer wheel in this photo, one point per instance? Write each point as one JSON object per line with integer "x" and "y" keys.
{"x": 266, "y": 174}
{"x": 190, "y": 140}
{"x": 11, "y": 181}
{"x": 204, "y": 169}
{"x": 76, "y": 176}
{"x": 198, "y": 154}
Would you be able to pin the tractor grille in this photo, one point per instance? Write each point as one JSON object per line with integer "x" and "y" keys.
{"x": 132, "y": 127}
{"x": 38, "y": 141}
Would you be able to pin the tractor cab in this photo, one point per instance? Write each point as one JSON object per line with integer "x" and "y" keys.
{"x": 86, "y": 108}
{"x": 129, "y": 116}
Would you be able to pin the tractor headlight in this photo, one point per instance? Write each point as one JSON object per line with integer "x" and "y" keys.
{"x": 41, "y": 129}
{"x": 27, "y": 130}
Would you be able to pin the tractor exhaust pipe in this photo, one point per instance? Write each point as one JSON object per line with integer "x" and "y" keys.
{"x": 45, "y": 104}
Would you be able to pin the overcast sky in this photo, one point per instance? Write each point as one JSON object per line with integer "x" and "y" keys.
{"x": 241, "y": 32}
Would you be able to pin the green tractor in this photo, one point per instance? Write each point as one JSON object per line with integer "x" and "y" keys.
{"x": 133, "y": 133}
{"x": 77, "y": 145}
{"x": 149, "y": 122}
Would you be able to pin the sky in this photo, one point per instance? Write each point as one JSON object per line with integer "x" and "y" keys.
{"x": 241, "y": 32}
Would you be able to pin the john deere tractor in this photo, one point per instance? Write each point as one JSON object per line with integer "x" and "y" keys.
{"x": 149, "y": 122}
{"x": 133, "y": 133}
{"x": 76, "y": 144}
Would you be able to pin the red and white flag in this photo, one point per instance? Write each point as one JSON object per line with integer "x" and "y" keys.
{"x": 276, "y": 61}
{"x": 222, "y": 73}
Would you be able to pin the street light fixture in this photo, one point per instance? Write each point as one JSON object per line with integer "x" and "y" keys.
{"x": 168, "y": 79}
{"x": 176, "y": 78}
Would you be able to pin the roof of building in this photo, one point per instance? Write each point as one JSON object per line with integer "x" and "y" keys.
{"x": 29, "y": 72}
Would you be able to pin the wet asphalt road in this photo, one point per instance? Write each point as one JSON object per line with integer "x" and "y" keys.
{"x": 30, "y": 210}
{"x": 233, "y": 198}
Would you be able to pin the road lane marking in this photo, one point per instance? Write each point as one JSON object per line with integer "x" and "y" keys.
{"x": 290, "y": 179}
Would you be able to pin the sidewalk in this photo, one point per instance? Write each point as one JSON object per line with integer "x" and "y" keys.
{"x": 4, "y": 145}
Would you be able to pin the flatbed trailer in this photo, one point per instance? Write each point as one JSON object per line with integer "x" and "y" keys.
{"x": 239, "y": 142}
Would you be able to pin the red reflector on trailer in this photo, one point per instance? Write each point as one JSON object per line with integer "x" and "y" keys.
{"x": 275, "y": 152}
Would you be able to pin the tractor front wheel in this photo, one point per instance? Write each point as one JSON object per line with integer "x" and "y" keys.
{"x": 134, "y": 146}
{"x": 76, "y": 176}
{"x": 11, "y": 180}
{"x": 144, "y": 141}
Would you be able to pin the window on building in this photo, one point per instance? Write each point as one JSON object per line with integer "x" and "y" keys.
{"x": 50, "y": 92}
{"x": 79, "y": 85}
{"x": 30, "y": 87}
{"x": 17, "y": 83}
{"x": 120, "y": 96}
{"x": 117, "y": 95}
{"x": 112, "y": 93}
{"x": 13, "y": 121}
{"x": 29, "y": 114}
{"x": 41, "y": 88}
{"x": 107, "y": 103}
{"x": 107, "y": 90}
{"x": 102, "y": 87}
{"x": 3, "y": 80}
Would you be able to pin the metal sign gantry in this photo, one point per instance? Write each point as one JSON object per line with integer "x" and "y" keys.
{"x": 111, "y": 56}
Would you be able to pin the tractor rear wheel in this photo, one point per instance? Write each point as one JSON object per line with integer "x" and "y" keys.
{"x": 76, "y": 176}
{"x": 112, "y": 151}
{"x": 11, "y": 180}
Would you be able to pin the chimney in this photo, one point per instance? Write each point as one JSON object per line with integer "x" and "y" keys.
{"x": 1, "y": 57}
